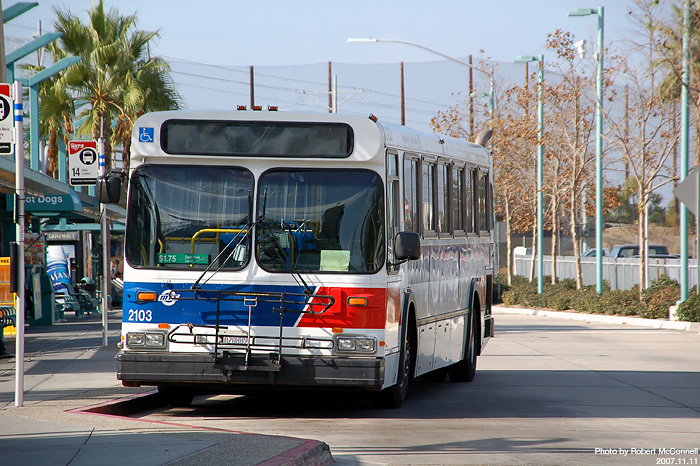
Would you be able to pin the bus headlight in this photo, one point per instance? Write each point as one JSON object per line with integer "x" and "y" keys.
{"x": 145, "y": 340}
{"x": 356, "y": 344}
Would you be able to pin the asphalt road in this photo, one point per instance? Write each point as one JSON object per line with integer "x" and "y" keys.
{"x": 547, "y": 391}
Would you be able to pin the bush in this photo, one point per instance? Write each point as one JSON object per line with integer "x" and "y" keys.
{"x": 654, "y": 303}
{"x": 661, "y": 294}
{"x": 689, "y": 310}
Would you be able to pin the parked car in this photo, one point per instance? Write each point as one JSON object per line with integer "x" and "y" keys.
{"x": 663, "y": 256}
{"x": 632, "y": 250}
{"x": 592, "y": 252}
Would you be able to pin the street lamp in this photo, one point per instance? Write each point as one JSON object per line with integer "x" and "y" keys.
{"x": 475, "y": 95}
{"x": 372, "y": 40}
{"x": 540, "y": 157}
{"x": 599, "y": 144}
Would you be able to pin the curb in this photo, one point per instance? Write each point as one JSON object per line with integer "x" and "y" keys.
{"x": 628, "y": 320}
{"x": 309, "y": 453}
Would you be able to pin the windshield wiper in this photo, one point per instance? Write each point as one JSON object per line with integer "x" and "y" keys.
{"x": 247, "y": 228}
{"x": 279, "y": 250}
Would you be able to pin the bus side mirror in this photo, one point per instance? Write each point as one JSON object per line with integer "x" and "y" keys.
{"x": 407, "y": 246}
{"x": 109, "y": 188}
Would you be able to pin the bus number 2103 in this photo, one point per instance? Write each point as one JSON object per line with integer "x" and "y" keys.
{"x": 140, "y": 315}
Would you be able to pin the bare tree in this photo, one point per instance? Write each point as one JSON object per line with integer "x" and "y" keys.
{"x": 572, "y": 108}
{"x": 649, "y": 141}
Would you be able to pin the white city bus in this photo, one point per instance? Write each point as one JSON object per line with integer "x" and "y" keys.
{"x": 272, "y": 249}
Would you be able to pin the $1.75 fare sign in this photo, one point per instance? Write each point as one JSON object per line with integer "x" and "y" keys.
{"x": 83, "y": 164}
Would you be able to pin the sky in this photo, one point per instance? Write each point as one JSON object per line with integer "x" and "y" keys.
{"x": 283, "y": 32}
{"x": 211, "y": 44}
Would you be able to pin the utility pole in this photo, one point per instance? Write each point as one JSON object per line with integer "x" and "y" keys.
{"x": 471, "y": 100}
{"x": 330, "y": 89}
{"x": 403, "y": 99}
{"x": 252, "y": 88}
{"x": 627, "y": 128}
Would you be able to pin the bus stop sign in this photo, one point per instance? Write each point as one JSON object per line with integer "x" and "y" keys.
{"x": 6, "y": 120}
{"x": 83, "y": 162}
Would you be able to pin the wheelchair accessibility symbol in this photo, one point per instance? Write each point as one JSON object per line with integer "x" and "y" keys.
{"x": 146, "y": 134}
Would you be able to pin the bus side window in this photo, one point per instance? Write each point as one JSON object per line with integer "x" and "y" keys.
{"x": 458, "y": 199}
{"x": 469, "y": 189}
{"x": 392, "y": 203}
{"x": 483, "y": 189}
{"x": 428, "y": 196}
{"x": 443, "y": 200}
{"x": 410, "y": 183}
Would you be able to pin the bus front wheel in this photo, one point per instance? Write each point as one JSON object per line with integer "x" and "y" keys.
{"x": 394, "y": 396}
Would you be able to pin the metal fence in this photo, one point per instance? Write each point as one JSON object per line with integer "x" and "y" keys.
{"x": 621, "y": 273}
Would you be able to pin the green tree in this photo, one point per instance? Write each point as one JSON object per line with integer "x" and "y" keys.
{"x": 116, "y": 80}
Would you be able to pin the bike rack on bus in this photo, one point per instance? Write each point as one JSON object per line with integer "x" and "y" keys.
{"x": 296, "y": 303}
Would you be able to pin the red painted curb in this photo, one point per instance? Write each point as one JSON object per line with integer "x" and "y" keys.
{"x": 309, "y": 453}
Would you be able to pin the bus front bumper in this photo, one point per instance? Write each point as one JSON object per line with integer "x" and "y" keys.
{"x": 148, "y": 368}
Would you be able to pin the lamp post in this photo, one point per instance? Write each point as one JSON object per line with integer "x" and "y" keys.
{"x": 474, "y": 95}
{"x": 540, "y": 157}
{"x": 599, "y": 144}
{"x": 684, "y": 152}
{"x": 372, "y": 40}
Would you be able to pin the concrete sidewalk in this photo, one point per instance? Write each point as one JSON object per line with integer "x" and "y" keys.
{"x": 67, "y": 371}
{"x": 613, "y": 319}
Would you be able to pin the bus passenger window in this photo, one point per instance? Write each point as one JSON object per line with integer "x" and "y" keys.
{"x": 483, "y": 190}
{"x": 428, "y": 199}
{"x": 469, "y": 187}
{"x": 458, "y": 198}
{"x": 393, "y": 202}
{"x": 410, "y": 179}
{"x": 443, "y": 198}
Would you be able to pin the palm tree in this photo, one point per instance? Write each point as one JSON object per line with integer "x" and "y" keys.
{"x": 56, "y": 109}
{"x": 115, "y": 80}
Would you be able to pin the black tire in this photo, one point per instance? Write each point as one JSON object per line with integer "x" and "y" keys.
{"x": 394, "y": 396}
{"x": 465, "y": 370}
{"x": 177, "y": 397}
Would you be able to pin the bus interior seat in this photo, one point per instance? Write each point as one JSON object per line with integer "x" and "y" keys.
{"x": 308, "y": 259}
{"x": 329, "y": 237}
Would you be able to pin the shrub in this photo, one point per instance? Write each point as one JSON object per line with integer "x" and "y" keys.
{"x": 589, "y": 301}
{"x": 623, "y": 302}
{"x": 655, "y": 301}
{"x": 661, "y": 294}
{"x": 689, "y": 310}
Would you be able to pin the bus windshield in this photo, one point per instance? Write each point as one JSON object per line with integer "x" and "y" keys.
{"x": 189, "y": 217}
{"x": 320, "y": 221}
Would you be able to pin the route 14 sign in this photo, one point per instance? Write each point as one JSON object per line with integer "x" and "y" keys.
{"x": 83, "y": 164}
{"x": 6, "y": 120}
